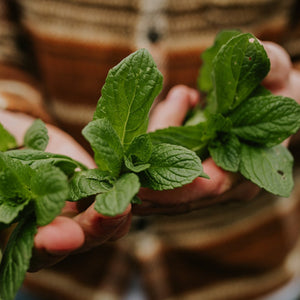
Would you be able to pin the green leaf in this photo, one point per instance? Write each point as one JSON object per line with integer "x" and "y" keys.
{"x": 16, "y": 259}
{"x": 267, "y": 120}
{"x": 36, "y": 158}
{"x": 196, "y": 116}
{"x": 88, "y": 183}
{"x": 50, "y": 188}
{"x": 171, "y": 166}
{"x": 138, "y": 154}
{"x": 194, "y": 137}
{"x": 7, "y": 140}
{"x": 269, "y": 168}
{"x": 205, "y": 83}
{"x": 14, "y": 188}
{"x": 36, "y": 137}
{"x": 238, "y": 69}
{"x": 106, "y": 145}
{"x": 9, "y": 210}
{"x": 140, "y": 148}
{"x": 226, "y": 152}
{"x": 135, "y": 167}
{"x": 116, "y": 200}
{"x": 260, "y": 91}
{"x": 128, "y": 94}
{"x": 136, "y": 200}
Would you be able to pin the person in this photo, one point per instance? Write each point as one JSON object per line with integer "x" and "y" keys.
{"x": 70, "y": 53}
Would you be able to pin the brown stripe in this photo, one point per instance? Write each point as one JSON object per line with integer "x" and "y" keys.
{"x": 75, "y": 71}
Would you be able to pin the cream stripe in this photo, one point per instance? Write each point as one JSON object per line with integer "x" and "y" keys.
{"x": 60, "y": 284}
{"x": 259, "y": 283}
{"x": 114, "y": 3}
{"x": 21, "y": 89}
{"x": 184, "y": 5}
{"x": 86, "y": 34}
{"x": 68, "y": 21}
{"x": 85, "y": 14}
{"x": 3, "y": 103}
{"x": 72, "y": 113}
{"x": 207, "y": 236}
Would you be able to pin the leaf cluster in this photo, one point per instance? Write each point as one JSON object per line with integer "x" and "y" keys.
{"x": 243, "y": 124}
{"x": 123, "y": 151}
{"x": 35, "y": 184}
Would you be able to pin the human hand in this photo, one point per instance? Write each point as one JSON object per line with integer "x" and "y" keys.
{"x": 222, "y": 186}
{"x": 79, "y": 227}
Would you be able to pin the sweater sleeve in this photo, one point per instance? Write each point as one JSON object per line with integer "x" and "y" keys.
{"x": 19, "y": 89}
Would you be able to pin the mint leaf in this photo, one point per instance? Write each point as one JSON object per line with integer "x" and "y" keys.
{"x": 16, "y": 259}
{"x": 36, "y": 137}
{"x": 88, "y": 183}
{"x": 36, "y": 158}
{"x": 116, "y": 200}
{"x": 238, "y": 69}
{"x": 140, "y": 148}
{"x": 269, "y": 168}
{"x": 226, "y": 152}
{"x": 50, "y": 188}
{"x": 267, "y": 120}
{"x": 196, "y": 116}
{"x": 135, "y": 167}
{"x": 205, "y": 83}
{"x": 14, "y": 191}
{"x": 106, "y": 145}
{"x": 10, "y": 210}
{"x": 7, "y": 141}
{"x": 260, "y": 91}
{"x": 194, "y": 137}
{"x": 128, "y": 94}
{"x": 171, "y": 166}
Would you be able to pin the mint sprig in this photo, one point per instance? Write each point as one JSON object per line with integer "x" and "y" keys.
{"x": 7, "y": 140}
{"x": 243, "y": 124}
{"x": 35, "y": 184}
{"x": 119, "y": 139}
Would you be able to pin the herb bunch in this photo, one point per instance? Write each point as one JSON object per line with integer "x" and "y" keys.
{"x": 241, "y": 128}
{"x": 243, "y": 124}
{"x": 35, "y": 184}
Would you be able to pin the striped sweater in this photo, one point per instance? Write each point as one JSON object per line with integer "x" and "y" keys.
{"x": 54, "y": 58}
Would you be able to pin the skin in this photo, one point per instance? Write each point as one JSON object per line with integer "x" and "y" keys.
{"x": 80, "y": 227}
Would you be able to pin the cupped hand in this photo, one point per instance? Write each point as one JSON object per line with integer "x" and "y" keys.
{"x": 222, "y": 186}
{"x": 79, "y": 227}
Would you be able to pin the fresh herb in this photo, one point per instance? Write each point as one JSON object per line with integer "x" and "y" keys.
{"x": 30, "y": 197}
{"x": 35, "y": 184}
{"x": 7, "y": 141}
{"x": 241, "y": 128}
{"x": 243, "y": 124}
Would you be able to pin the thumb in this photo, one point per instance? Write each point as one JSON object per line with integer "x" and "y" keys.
{"x": 281, "y": 67}
{"x": 172, "y": 111}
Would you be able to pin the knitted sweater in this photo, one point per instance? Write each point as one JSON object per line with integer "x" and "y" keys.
{"x": 54, "y": 58}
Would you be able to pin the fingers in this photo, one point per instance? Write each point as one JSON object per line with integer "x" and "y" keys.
{"x": 98, "y": 228}
{"x": 281, "y": 67}
{"x": 201, "y": 192}
{"x": 65, "y": 235}
{"x": 172, "y": 111}
{"x": 219, "y": 182}
{"x": 60, "y": 142}
{"x": 55, "y": 241}
{"x": 59, "y": 237}
{"x": 16, "y": 123}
